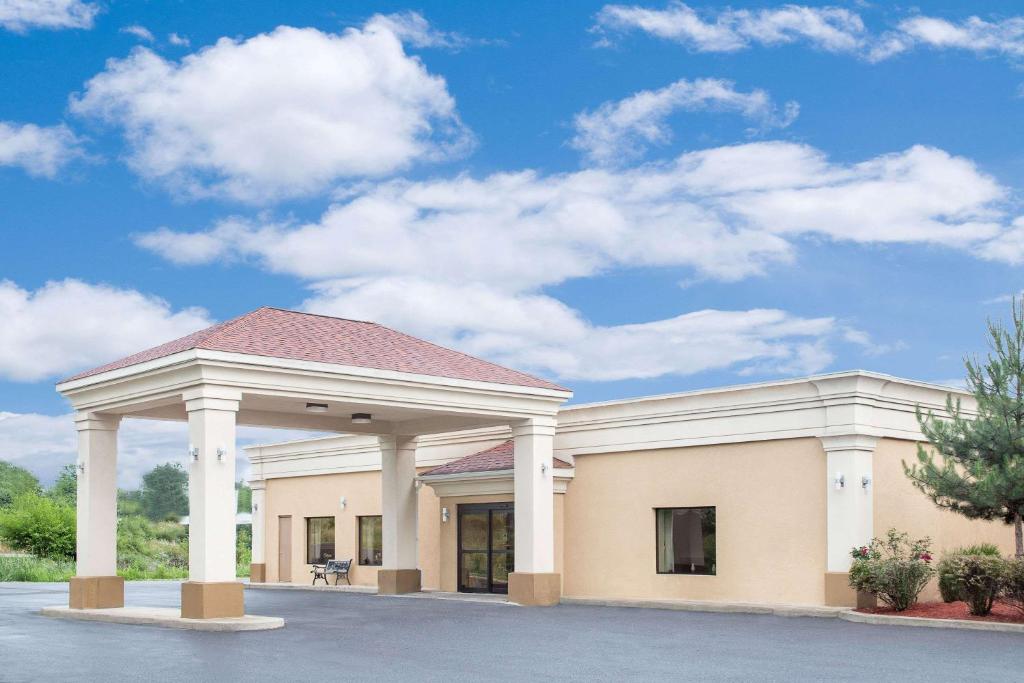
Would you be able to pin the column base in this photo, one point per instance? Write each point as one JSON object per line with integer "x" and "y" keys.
{"x": 257, "y": 573}
{"x": 398, "y": 581}
{"x": 212, "y": 599}
{"x": 534, "y": 590}
{"x": 95, "y": 592}
{"x": 839, "y": 592}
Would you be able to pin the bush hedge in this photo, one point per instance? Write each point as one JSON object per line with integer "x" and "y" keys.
{"x": 978, "y": 580}
{"x": 947, "y": 569}
{"x": 39, "y": 525}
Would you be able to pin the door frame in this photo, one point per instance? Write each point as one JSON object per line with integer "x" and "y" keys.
{"x": 489, "y": 508}
{"x": 284, "y": 564}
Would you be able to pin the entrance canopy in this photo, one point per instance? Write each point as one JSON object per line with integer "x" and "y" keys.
{"x": 277, "y": 362}
{"x": 279, "y": 368}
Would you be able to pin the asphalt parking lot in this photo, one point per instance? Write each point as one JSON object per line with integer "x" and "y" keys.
{"x": 350, "y": 636}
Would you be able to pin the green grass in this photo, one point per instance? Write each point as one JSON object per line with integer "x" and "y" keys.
{"x": 35, "y": 569}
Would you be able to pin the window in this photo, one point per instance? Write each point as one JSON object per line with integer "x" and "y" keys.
{"x": 686, "y": 540}
{"x": 370, "y": 543}
{"x": 319, "y": 539}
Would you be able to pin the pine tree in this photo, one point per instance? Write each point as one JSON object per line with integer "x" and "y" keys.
{"x": 980, "y": 473}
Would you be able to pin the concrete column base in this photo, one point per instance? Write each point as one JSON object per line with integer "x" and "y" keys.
{"x": 839, "y": 593}
{"x": 257, "y": 573}
{"x": 95, "y": 592}
{"x": 534, "y": 590}
{"x": 397, "y": 581}
{"x": 212, "y": 599}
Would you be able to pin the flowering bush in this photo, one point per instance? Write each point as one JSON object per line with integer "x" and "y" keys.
{"x": 895, "y": 569}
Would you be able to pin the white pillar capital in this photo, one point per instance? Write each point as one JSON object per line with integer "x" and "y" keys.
{"x": 542, "y": 425}
{"x": 96, "y": 421}
{"x": 211, "y": 397}
{"x": 849, "y": 442}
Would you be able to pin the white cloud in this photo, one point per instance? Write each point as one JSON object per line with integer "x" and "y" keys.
{"x": 178, "y": 40}
{"x": 828, "y": 28}
{"x": 833, "y": 29}
{"x": 537, "y": 333}
{"x": 72, "y": 325}
{"x": 725, "y": 212}
{"x": 22, "y": 15}
{"x": 414, "y": 30}
{"x": 39, "y": 150}
{"x": 619, "y": 131}
{"x": 465, "y": 261}
{"x": 281, "y": 114}
{"x": 140, "y": 32}
{"x": 972, "y": 34}
{"x": 43, "y": 444}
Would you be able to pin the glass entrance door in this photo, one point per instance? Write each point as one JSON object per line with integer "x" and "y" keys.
{"x": 486, "y": 546}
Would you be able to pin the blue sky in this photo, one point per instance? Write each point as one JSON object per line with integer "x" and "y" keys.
{"x": 627, "y": 198}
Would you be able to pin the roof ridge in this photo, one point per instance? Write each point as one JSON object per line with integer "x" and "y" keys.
{"x": 218, "y": 329}
{"x": 320, "y": 315}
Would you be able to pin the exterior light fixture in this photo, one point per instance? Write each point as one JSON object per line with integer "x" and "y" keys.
{"x": 221, "y": 452}
{"x": 341, "y": 503}
{"x": 255, "y": 507}
{"x": 361, "y": 418}
{"x": 81, "y": 467}
{"x": 543, "y": 468}
{"x": 445, "y": 516}
{"x": 839, "y": 482}
{"x": 316, "y": 407}
{"x": 865, "y": 482}
{"x": 193, "y": 453}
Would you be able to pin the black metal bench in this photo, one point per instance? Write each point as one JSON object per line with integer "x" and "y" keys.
{"x": 337, "y": 567}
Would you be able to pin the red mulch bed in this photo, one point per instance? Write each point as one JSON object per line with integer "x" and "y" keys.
{"x": 951, "y": 610}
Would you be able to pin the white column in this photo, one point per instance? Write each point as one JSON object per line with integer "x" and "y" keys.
{"x": 211, "y": 485}
{"x": 97, "y": 494}
{"x": 259, "y": 496}
{"x": 399, "y": 504}
{"x": 534, "y": 441}
{"x": 850, "y": 483}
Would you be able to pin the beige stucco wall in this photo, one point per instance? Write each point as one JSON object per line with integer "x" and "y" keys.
{"x": 318, "y": 496}
{"x": 770, "y": 533}
{"x": 898, "y": 504}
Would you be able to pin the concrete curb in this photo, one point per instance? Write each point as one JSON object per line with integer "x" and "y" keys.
{"x": 167, "y": 617}
{"x": 300, "y": 587}
{"x": 922, "y": 622}
{"x": 715, "y": 607}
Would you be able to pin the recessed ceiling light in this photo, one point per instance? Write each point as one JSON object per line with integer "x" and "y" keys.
{"x": 316, "y": 407}
{"x": 361, "y": 418}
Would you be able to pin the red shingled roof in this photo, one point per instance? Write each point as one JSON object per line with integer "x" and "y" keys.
{"x": 491, "y": 460}
{"x": 280, "y": 333}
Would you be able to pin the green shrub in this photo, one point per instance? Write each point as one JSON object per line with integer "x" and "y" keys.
{"x": 1013, "y": 582}
{"x": 978, "y": 580}
{"x": 947, "y": 568}
{"x": 30, "y": 568}
{"x": 39, "y": 525}
{"x": 895, "y": 569}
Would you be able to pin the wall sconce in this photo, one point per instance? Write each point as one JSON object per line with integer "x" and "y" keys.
{"x": 445, "y": 516}
{"x": 865, "y": 482}
{"x": 255, "y": 507}
{"x": 543, "y": 468}
{"x": 839, "y": 482}
{"x": 221, "y": 452}
{"x": 342, "y": 503}
{"x": 193, "y": 453}
{"x": 81, "y": 467}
